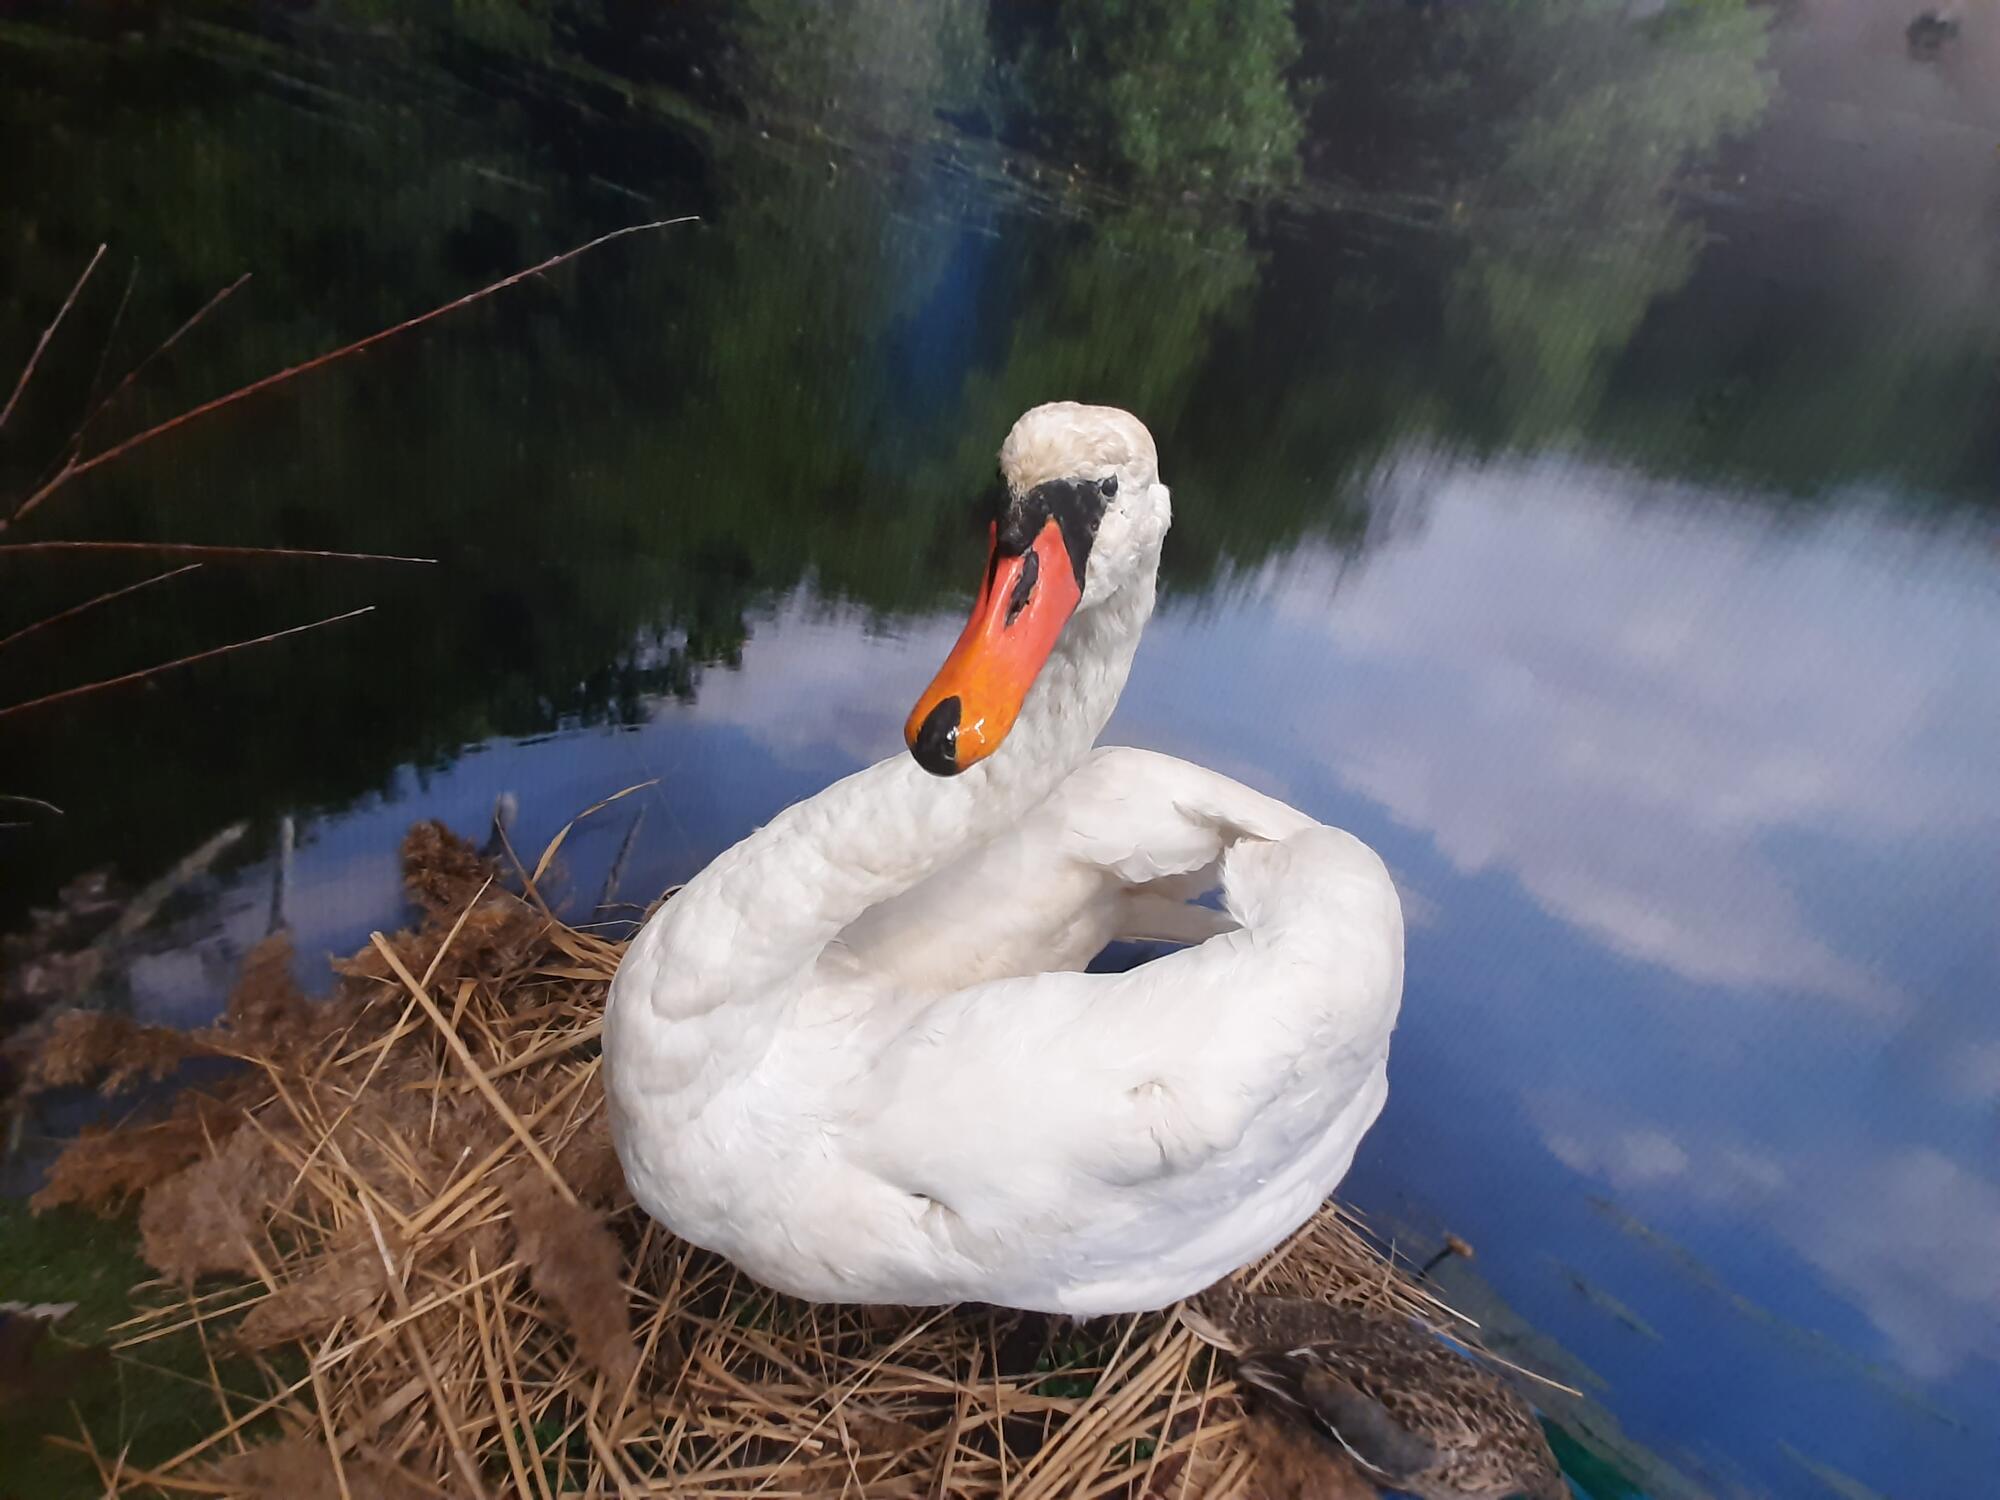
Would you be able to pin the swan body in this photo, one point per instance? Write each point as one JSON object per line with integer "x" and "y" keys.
{"x": 857, "y": 1054}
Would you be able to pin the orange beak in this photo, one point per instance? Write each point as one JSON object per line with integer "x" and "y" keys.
{"x": 973, "y": 701}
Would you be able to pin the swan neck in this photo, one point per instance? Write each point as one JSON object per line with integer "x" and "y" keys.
{"x": 1065, "y": 712}
{"x": 746, "y": 931}
{"x": 721, "y": 972}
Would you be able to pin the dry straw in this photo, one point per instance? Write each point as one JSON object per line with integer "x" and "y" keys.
{"x": 406, "y": 1208}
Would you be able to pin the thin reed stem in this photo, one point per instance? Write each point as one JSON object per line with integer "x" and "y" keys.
{"x": 35, "y": 358}
{"x": 89, "y": 604}
{"x": 168, "y": 666}
{"x": 80, "y": 467}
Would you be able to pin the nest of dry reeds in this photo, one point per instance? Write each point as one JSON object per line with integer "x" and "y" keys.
{"x": 406, "y": 1210}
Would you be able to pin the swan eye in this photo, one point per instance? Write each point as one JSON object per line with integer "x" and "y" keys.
{"x": 1108, "y": 486}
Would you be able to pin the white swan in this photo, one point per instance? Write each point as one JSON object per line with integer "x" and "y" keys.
{"x": 853, "y": 1054}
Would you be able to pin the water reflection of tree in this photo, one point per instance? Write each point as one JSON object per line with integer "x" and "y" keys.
{"x": 880, "y": 69}
{"x": 1587, "y": 235}
{"x": 1549, "y": 137}
{"x": 606, "y": 507}
{"x": 620, "y": 466}
{"x": 1184, "y": 95}
{"x": 183, "y": 153}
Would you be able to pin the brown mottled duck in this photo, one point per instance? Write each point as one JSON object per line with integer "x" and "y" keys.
{"x": 1408, "y": 1411}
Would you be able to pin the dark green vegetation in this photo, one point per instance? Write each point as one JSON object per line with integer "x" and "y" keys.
{"x": 154, "y": 1402}
{"x": 1300, "y": 239}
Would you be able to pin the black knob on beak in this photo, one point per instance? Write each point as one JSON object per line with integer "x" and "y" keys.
{"x": 936, "y": 744}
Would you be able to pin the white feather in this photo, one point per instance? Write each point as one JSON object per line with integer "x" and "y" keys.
{"x": 855, "y": 1055}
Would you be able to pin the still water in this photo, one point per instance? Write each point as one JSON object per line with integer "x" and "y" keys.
{"x": 1582, "y": 421}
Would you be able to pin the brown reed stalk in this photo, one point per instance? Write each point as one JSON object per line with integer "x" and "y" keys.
{"x": 464, "y": 1324}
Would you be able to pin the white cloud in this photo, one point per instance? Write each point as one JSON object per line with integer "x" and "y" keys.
{"x": 1552, "y": 673}
{"x": 1973, "y": 1072}
{"x": 1561, "y": 678}
{"x": 1627, "y": 1159}
{"x": 814, "y": 675}
{"x": 1909, "y": 1235}
{"x": 1902, "y": 1232}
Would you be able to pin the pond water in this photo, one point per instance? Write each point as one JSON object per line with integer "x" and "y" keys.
{"x": 1582, "y": 422}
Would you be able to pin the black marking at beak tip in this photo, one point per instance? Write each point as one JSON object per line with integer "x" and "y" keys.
{"x": 936, "y": 747}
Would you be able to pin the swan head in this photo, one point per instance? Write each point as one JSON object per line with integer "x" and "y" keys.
{"x": 1079, "y": 524}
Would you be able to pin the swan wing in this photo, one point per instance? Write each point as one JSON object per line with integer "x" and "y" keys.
{"x": 1100, "y": 1142}
{"x": 1116, "y": 851}
{"x": 1148, "y": 818}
